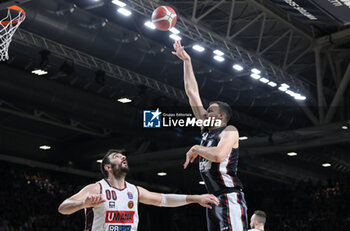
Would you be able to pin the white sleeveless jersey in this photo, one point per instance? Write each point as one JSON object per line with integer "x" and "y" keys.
{"x": 118, "y": 213}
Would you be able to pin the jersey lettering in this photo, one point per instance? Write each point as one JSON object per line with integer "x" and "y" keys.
{"x": 119, "y": 216}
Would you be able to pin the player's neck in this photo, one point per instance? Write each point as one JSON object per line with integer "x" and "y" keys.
{"x": 118, "y": 183}
{"x": 261, "y": 228}
{"x": 213, "y": 128}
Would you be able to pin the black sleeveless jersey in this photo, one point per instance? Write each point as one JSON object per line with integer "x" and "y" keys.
{"x": 219, "y": 177}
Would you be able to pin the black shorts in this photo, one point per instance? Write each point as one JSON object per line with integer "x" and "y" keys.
{"x": 230, "y": 215}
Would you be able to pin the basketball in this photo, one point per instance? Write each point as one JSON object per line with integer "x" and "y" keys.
{"x": 164, "y": 18}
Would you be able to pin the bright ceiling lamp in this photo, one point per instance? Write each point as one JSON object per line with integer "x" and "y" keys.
{"x": 237, "y": 67}
{"x": 150, "y": 25}
{"x": 219, "y": 58}
{"x": 198, "y": 48}
{"x": 124, "y": 11}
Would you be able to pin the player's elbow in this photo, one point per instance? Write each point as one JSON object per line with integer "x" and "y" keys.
{"x": 191, "y": 93}
{"x": 219, "y": 158}
{"x": 62, "y": 210}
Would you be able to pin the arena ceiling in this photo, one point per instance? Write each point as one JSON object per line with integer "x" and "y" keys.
{"x": 94, "y": 56}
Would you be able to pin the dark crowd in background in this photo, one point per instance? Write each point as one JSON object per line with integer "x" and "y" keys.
{"x": 30, "y": 197}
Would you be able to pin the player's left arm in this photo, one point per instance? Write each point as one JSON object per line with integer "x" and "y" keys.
{"x": 175, "y": 200}
{"x": 228, "y": 139}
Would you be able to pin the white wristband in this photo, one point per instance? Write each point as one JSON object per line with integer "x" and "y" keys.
{"x": 173, "y": 200}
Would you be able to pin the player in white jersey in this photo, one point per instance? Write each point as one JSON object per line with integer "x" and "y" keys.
{"x": 257, "y": 221}
{"x": 111, "y": 204}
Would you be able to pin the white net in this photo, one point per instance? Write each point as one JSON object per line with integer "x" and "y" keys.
{"x": 8, "y": 27}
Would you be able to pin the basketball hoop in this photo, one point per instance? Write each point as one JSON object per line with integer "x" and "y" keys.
{"x": 8, "y": 27}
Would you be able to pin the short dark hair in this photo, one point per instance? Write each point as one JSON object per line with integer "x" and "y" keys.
{"x": 224, "y": 108}
{"x": 260, "y": 216}
{"x": 106, "y": 160}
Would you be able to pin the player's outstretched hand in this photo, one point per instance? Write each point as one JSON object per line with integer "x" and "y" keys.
{"x": 180, "y": 51}
{"x": 206, "y": 199}
{"x": 93, "y": 200}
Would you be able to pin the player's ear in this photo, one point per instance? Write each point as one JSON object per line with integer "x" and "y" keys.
{"x": 107, "y": 167}
{"x": 221, "y": 116}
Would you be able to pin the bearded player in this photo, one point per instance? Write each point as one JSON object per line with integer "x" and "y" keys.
{"x": 111, "y": 204}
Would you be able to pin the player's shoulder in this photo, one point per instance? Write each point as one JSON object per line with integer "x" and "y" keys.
{"x": 231, "y": 128}
{"x": 93, "y": 188}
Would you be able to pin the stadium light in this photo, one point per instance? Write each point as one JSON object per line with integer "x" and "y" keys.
{"x": 174, "y": 30}
{"x": 219, "y": 58}
{"x": 175, "y": 37}
{"x": 297, "y": 96}
{"x": 255, "y": 71}
{"x": 292, "y": 153}
{"x": 326, "y": 165}
{"x": 161, "y": 173}
{"x": 282, "y": 89}
{"x": 243, "y": 138}
{"x": 124, "y": 11}
{"x": 45, "y": 147}
{"x": 264, "y": 80}
{"x": 237, "y": 67}
{"x": 255, "y": 76}
{"x": 201, "y": 182}
{"x": 284, "y": 85}
{"x": 272, "y": 84}
{"x": 198, "y": 48}
{"x": 39, "y": 72}
{"x": 119, "y": 3}
{"x": 124, "y": 100}
{"x": 150, "y": 25}
{"x": 218, "y": 52}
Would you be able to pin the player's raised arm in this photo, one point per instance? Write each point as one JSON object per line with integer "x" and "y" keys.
{"x": 191, "y": 86}
{"x": 89, "y": 196}
{"x": 175, "y": 200}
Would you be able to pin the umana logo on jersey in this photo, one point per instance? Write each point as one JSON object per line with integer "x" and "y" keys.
{"x": 119, "y": 216}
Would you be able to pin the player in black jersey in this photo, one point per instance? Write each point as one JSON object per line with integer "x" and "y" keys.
{"x": 218, "y": 156}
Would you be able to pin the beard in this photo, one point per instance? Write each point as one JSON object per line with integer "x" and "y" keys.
{"x": 119, "y": 170}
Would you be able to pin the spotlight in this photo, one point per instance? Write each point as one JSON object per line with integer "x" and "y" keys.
{"x": 255, "y": 71}
{"x": 218, "y": 52}
{"x": 174, "y": 30}
{"x": 198, "y": 48}
{"x": 175, "y": 37}
{"x": 282, "y": 89}
{"x": 237, "y": 67}
{"x": 124, "y": 100}
{"x": 201, "y": 182}
{"x": 124, "y": 12}
{"x": 161, "y": 173}
{"x": 119, "y": 3}
{"x": 255, "y": 76}
{"x": 150, "y": 25}
{"x": 272, "y": 84}
{"x": 243, "y": 138}
{"x": 264, "y": 80}
{"x": 219, "y": 58}
{"x": 292, "y": 153}
{"x": 326, "y": 165}
{"x": 285, "y": 85}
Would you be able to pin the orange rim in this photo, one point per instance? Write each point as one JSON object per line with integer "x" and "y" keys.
{"x": 17, "y": 8}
